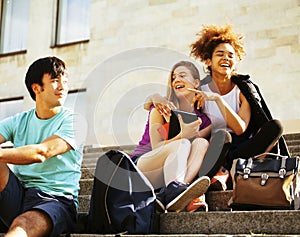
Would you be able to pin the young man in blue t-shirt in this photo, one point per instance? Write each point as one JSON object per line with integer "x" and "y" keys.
{"x": 38, "y": 194}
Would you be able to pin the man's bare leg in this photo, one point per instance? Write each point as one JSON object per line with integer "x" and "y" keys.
{"x": 4, "y": 175}
{"x": 32, "y": 223}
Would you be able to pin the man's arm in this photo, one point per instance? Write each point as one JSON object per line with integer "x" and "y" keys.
{"x": 2, "y": 139}
{"x": 35, "y": 153}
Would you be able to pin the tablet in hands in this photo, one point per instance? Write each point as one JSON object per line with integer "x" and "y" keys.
{"x": 174, "y": 127}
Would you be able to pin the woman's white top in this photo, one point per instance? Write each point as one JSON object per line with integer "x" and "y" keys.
{"x": 212, "y": 110}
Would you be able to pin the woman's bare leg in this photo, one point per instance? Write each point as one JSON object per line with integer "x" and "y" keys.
{"x": 166, "y": 163}
{"x": 198, "y": 150}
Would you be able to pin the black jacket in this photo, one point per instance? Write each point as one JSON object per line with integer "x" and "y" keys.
{"x": 260, "y": 112}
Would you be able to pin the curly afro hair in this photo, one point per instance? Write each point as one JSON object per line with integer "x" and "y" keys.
{"x": 211, "y": 36}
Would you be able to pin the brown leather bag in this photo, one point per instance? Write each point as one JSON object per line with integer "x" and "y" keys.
{"x": 264, "y": 183}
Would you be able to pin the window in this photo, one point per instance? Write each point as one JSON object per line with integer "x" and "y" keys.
{"x": 14, "y": 26}
{"x": 72, "y": 21}
{"x": 11, "y": 106}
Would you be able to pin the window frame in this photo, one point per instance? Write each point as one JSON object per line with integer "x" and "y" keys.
{"x": 57, "y": 28}
{"x": 11, "y": 50}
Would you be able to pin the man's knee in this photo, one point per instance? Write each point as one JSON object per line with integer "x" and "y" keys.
{"x": 34, "y": 223}
{"x": 4, "y": 175}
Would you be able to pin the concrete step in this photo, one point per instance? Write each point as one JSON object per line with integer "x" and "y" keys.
{"x": 98, "y": 149}
{"x": 92, "y": 156}
{"x": 90, "y": 159}
{"x": 294, "y": 150}
{"x": 92, "y": 153}
{"x": 87, "y": 173}
{"x": 292, "y": 136}
{"x": 84, "y": 203}
{"x": 224, "y": 223}
{"x": 292, "y": 142}
{"x": 237, "y": 222}
{"x": 216, "y": 200}
{"x": 86, "y": 186}
{"x": 177, "y": 235}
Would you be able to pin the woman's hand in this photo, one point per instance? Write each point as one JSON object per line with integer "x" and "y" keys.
{"x": 201, "y": 96}
{"x": 189, "y": 130}
{"x": 238, "y": 122}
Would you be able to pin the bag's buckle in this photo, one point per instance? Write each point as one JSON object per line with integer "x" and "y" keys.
{"x": 282, "y": 170}
{"x": 248, "y": 167}
{"x": 247, "y": 172}
{"x": 282, "y": 173}
{"x": 264, "y": 178}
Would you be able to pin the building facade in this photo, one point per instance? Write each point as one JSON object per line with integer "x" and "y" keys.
{"x": 119, "y": 52}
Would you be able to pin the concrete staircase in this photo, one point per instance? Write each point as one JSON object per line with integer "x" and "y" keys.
{"x": 219, "y": 221}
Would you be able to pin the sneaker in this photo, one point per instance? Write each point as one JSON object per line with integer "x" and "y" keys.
{"x": 192, "y": 191}
{"x": 160, "y": 200}
{"x": 167, "y": 194}
{"x": 216, "y": 154}
{"x": 197, "y": 204}
{"x": 219, "y": 180}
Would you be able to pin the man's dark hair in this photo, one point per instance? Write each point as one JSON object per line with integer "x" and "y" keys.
{"x": 49, "y": 65}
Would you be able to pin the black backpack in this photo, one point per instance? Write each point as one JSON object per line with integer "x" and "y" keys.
{"x": 123, "y": 200}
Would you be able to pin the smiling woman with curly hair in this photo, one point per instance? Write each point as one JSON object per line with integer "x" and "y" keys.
{"x": 211, "y": 36}
{"x": 226, "y": 95}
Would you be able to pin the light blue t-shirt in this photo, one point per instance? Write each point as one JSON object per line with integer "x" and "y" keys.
{"x": 58, "y": 175}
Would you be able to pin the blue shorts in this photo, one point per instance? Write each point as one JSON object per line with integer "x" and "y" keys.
{"x": 15, "y": 199}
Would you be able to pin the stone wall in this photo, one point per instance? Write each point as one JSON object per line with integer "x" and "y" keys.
{"x": 133, "y": 43}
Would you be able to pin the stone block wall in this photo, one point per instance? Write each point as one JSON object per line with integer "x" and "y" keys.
{"x": 134, "y": 43}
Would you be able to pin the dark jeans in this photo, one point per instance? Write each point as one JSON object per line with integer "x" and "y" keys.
{"x": 216, "y": 154}
{"x": 15, "y": 199}
{"x": 3, "y": 228}
{"x": 222, "y": 153}
{"x": 268, "y": 135}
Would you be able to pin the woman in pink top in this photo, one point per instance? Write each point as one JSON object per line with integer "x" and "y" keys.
{"x": 172, "y": 164}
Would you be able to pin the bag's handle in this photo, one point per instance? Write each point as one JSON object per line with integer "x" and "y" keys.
{"x": 282, "y": 170}
{"x": 270, "y": 154}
